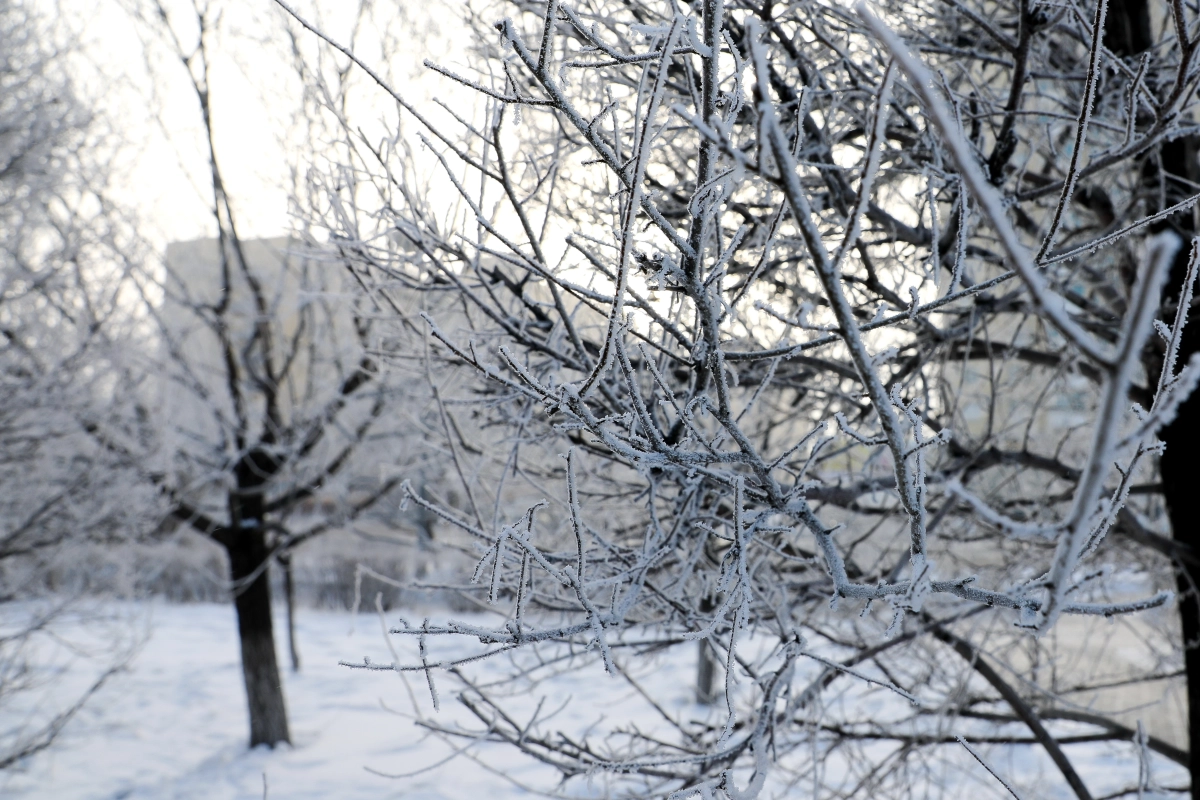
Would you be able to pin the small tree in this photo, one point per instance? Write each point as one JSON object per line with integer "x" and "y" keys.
{"x": 268, "y": 394}
{"x": 815, "y": 313}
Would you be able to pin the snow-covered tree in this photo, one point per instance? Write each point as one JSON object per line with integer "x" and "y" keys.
{"x": 849, "y": 326}
{"x": 61, "y": 315}
{"x": 269, "y": 418}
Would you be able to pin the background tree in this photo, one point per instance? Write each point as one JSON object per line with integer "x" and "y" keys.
{"x": 838, "y": 333}
{"x": 270, "y": 420}
{"x": 63, "y": 297}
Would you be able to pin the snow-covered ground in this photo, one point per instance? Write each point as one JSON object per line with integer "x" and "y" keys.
{"x": 173, "y": 723}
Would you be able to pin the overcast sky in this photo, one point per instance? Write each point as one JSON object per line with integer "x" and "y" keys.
{"x": 255, "y": 94}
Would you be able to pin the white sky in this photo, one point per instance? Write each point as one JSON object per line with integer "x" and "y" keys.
{"x": 254, "y": 93}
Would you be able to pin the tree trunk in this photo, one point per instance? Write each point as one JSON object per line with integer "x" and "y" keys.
{"x": 289, "y": 591}
{"x": 1127, "y": 33}
{"x": 1189, "y": 618}
{"x": 248, "y": 552}
{"x": 1176, "y": 466}
{"x": 706, "y": 660}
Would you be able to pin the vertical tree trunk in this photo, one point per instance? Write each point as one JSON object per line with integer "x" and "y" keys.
{"x": 1183, "y": 529}
{"x": 246, "y": 542}
{"x": 424, "y": 520}
{"x": 248, "y": 552}
{"x": 706, "y": 660}
{"x": 706, "y": 673}
{"x": 289, "y": 591}
{"x": 1177, "y": 466}
{"x": 1127, "y": 33}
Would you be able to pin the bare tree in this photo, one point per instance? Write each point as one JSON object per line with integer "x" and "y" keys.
{"x": 270, "y": 420}
{"x": 62, "y": 288}
{"x": 837, "y": 316}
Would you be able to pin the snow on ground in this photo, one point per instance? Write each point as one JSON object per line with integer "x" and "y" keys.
{"x": 173, "y": 724}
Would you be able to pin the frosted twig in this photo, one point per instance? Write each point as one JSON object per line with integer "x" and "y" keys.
{"x": 983, "y": 762}
{"x": 921, "y": 82}
{"x": 1085, "y": 116}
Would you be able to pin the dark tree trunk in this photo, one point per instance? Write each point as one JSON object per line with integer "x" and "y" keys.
{"x": 249, "y": 556}
{"x": 706, "y": 673}
{"x": 1182, "y": 438}
{"x": 1127, "y": 27}
{"x": 264, "y": 693}
{"x": 289, "y": 591}
{"x": 1177, "y": 467}
{"x": 1127, "y": 34}
{"x": 706, "y": 661}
